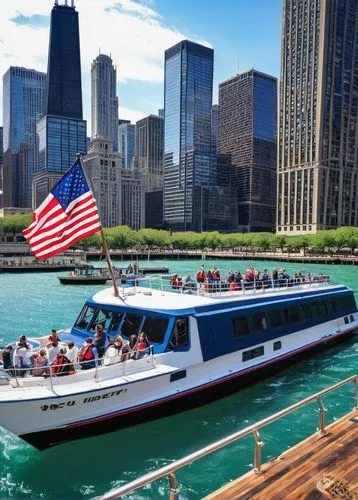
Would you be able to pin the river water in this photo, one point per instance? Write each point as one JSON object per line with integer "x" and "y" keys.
{"x": 32, "y": 304}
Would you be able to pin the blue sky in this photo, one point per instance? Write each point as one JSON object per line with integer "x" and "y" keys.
{"x": 243, "y": 33}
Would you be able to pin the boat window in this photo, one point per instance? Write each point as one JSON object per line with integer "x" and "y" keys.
{"x": 180, "y": 336}
{"x": 131, "y": 324}
{"x": 241, "y": 326}
{"x": 260, "y": 322}
{"x": 253, "y": 353}
{"x": 306, "y": 311}
{"x": 277, "y": 345}
{"x": 85, "y": 318}
{"x": 290, "y": 315}
{"x": 315, "y": 309}
{"x": 331, "y": 305}
{"x": 116, "y": 320}
{"x": 274, "y": 318}
{"x": 322, "y": 307}
{"x": 155, "y": 328}
{"x": 346, "y": 304}
{"x": 103, "y": 317}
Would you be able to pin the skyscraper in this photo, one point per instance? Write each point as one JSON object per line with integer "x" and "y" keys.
{"x": 187, "y": 153}
{"x": 104, "y": 106}
{"x": 149, "y": 151}
{"x": 62, "y": 131}
{"x": 118, "y": 190}
{"x": 23, "y": 104}
{"x": 64, "y": 91}
{"x": 317, "y": 138}
{"x": 247, "y": 132}
{"x": 126, "y": 142}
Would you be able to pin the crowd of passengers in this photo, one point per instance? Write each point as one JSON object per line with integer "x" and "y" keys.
{"x": 58, "y": 358}
{"x": 211, "y": 280}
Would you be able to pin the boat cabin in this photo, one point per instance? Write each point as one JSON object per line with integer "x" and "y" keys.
{"x": 222, "y": 325}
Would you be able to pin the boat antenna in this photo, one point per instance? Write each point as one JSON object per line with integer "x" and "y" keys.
{"x": 103, "y": 238}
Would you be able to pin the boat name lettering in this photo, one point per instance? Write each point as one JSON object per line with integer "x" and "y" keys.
{"x": 57, "y": 406}
{"x": 107, "y": 395}
{"x": 91, "y": 399}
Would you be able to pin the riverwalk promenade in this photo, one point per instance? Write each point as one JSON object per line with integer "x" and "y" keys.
{"x": 17, "y": 257}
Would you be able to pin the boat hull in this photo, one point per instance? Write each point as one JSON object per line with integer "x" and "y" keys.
{"x": 177, "y": 403}
{"x": 84, "y": 280}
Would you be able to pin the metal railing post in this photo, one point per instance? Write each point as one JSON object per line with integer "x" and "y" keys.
{"x": 51, "y": 379}
{"x": 356, "y": 394}
{"x": 174, "y": 487}
{"x": 96, "y": 368}
{"x": 258, "y": 455}
{"x": 322, "y": 411}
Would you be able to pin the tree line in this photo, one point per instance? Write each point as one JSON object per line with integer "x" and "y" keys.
{"x": 123, "y": 238}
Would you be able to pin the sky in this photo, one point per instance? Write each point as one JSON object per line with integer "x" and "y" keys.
{"x": 244, "y": 34}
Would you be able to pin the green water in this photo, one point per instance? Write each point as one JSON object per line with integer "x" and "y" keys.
{"x": 32, "y": 304}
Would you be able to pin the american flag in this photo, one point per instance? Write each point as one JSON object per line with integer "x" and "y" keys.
{"x": 68, "y": 214}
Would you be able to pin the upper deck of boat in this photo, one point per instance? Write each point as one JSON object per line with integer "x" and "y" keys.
{"x": 168, "y": 300}
{"x": 319, "y": 467}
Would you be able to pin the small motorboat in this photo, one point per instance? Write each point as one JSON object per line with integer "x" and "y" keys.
{"x": 85, "y": 274}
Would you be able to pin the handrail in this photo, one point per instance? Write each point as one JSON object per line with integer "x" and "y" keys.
{"x": 169, "y": 470}
{"x": 14, "y": 372}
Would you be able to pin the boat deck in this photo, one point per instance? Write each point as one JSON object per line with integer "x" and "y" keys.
{"x": 321, "y": 466}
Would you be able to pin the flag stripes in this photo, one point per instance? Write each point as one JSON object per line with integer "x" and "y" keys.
{"x": 55, "y": 228}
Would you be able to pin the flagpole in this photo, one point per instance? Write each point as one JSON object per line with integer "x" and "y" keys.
{"x": 103, "y": 238}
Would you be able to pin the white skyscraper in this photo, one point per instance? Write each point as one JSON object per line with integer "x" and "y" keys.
{"x": 104, "y": 100}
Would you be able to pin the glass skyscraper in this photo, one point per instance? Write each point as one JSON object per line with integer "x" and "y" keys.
{"x": 126, "y": 142}
{"x": 104, "y": 107}
{"x": 247, "y": 133}
{"x": 23, "y": 104}
{"x": 317, "y": 137}
{"x": 62, "y": 131}
{"x": 187, "y": 133}
{"x": 149, "y": 155}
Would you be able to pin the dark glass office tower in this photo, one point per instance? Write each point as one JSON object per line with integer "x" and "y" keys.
{"x": 62, "y": 131}
{"x": 187, "y": 133}
{"x": 317, "y": 137}
{"x": 247, "y": 132}
{"x": 64, "y": 91}
{"x": 23, "y": 104}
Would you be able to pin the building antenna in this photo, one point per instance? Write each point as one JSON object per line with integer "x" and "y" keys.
{"x": 238, "y": 62}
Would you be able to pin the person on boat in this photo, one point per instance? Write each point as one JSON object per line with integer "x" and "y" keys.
{"x": 87, "y": 355}
{"x": 52, "y": 338}
{"x": 40, "y": 363}
{"x": 111, "y": 355}
{"x": 122, "y": 348}
{"x": 7, "y": 358}
{"x": 174, "y": 282}
{"x": 61, "y": 365}
{"x": 22, "y": 358}
{"x": 188, "y": 283}
{"x": 200, "y": 277}
{"x": 72, "y": 352}
{"x": 132, "y": 342}
{"x": 53, "y": 350}
{"x": 99, "y": 340}
{"x": 130, "y": 269}
{"x": 142, "y": 346}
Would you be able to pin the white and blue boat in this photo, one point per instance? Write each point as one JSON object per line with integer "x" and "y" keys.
{"x": 204, "y": 344}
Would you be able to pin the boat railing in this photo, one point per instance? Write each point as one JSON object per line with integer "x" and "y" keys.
{"x": 169, "y": 470}
{"x": 225, "y": 288}
{"x": 99, "y": 368}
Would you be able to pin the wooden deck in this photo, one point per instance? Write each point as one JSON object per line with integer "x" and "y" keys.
{"x": 295, "y": 474}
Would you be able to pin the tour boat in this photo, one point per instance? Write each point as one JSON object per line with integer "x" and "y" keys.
{"x": 204, "y": 344}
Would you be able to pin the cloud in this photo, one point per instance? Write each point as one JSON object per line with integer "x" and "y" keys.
{"x": 35, "y": 21}
{"x": 132, "y": 32}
